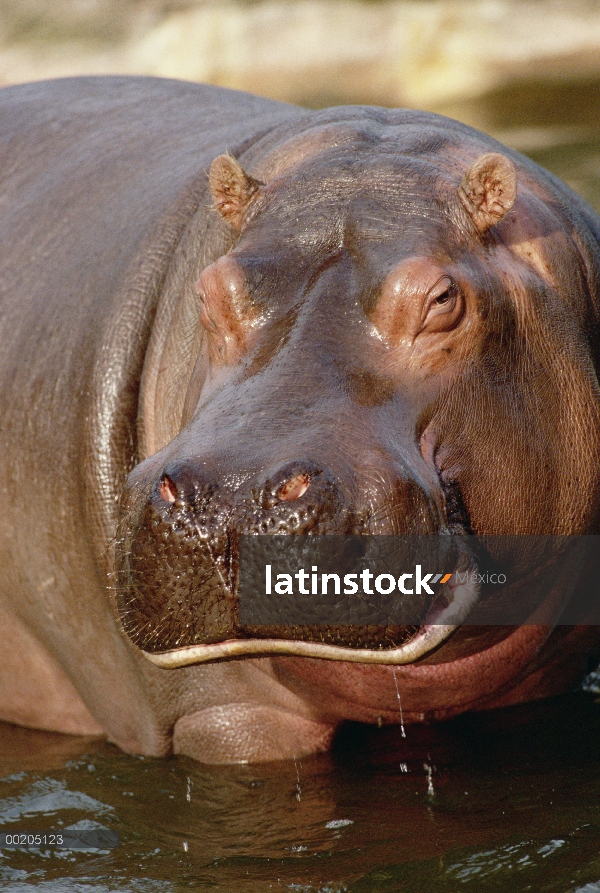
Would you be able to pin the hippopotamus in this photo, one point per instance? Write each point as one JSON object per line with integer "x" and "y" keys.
{"x": 226, "y": 317}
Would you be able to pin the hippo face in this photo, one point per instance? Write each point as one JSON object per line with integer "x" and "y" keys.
{"x": 394, "y": 344}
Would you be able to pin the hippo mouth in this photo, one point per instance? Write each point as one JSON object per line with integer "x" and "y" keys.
{"x": 180, "y": 582}
{"x": 444, "y": 617}
{"x": 455, "y": 595}
{"x": 180, "y": 576}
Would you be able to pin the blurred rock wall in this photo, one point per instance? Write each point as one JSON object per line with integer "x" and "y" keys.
{"x": 390, "y": 52}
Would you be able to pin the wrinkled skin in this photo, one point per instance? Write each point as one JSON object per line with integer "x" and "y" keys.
{"x": 374, "y": 322}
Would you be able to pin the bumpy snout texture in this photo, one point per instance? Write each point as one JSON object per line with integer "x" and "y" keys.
{"x": 178, "y": 561}
{"x": 178, "y": 556}
{"x": 174, "y": 569}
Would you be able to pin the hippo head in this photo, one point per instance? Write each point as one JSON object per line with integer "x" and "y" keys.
{"x": 393, "y": 343}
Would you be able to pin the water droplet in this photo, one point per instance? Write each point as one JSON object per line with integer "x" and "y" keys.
{"x": 430, "y": 789}
{"x": 298, "y": 788}
{"x": 403, "y": 733}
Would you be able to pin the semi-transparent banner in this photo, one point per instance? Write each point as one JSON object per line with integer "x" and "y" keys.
{"x": 408, "y": 580}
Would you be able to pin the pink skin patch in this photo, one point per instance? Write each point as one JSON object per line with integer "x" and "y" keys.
{"x": 294, "y": 488}
{"x": 363, "y": 693}
{"x": 167, "y": 490}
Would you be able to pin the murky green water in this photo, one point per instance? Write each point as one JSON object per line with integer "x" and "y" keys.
{"x": 507, "y": 801}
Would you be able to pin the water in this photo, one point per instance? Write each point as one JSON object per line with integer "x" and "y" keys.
{"x": 507, "y": 801}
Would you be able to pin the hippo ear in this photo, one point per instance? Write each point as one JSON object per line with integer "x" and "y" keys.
{"x": 489, "y": 189}
{"x": 232, "y": 189}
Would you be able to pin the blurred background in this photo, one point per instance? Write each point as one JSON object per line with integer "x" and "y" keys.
{"x": 527, "y": 71}
{"x": 383, "y": 52}
{"x": 515, "y": 805}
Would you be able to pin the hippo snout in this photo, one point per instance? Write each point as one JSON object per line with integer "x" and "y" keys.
{"x": 178, "y": 558}
{"x": 299, "y": 498}
{"x": 291, "y": 483}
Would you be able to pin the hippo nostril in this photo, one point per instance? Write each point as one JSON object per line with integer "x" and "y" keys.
{"x": 294, "y": 488}
{"x": 167, "y": 489}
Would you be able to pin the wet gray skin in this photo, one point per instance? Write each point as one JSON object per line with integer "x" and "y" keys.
{"x": 363, "y": 320}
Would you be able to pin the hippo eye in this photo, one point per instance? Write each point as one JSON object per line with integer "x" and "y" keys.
{"x": 443, "y": 306}
{"x": 205, "y": 319}
{"x": 225, "y": 311}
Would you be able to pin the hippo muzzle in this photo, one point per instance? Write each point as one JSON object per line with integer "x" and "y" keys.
{"x": 179, "y": 571}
